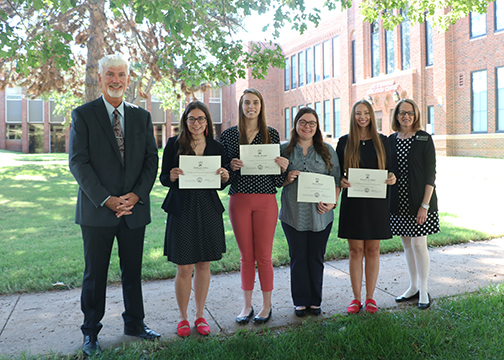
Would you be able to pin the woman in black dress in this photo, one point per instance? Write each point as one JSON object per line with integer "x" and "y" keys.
{"x": 194, "y": 228}
{"x": 414, "y": 203}
{"x": 363, "y": 221}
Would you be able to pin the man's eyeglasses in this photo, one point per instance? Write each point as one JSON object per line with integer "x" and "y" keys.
{"x": 192, "y": 120}
{"x": 311, "y": 124}
{"x": 403, "y": 113}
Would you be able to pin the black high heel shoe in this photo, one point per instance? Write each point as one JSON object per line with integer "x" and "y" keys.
{"x": 245, "y": 319}
{"x": 401, "y": 299}
{"x": 260, "y": 320}
{"x": 423, "y": 306}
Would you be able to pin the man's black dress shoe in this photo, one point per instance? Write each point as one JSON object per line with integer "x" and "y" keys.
{"x": 261, "y": 320}
{"x": 315, "y": 311}
{"x": 91, "y": 346}
{"x": 141, "y": 331}
{"x": 300, "y": 312}
{"x": 245, "y": 319}
{"x": 423, "y": 306}
{"x": 401, "y": 299}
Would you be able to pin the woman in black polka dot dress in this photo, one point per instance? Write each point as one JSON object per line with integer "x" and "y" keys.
{"x": 414, "y": 211}
{"x": 194, "y": 227}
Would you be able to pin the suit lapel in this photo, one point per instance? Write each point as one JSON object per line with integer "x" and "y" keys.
{"x": 104, "y": 121}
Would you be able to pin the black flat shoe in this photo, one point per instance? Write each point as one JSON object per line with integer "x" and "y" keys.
{"x": 315, "y": 311}
{"x": 300, "y": 312}
{"x": 245, "y": 319}
{"x": 401, "y": 299}
{"x": 260, "y": 320}
{"x": 422, "y": 306}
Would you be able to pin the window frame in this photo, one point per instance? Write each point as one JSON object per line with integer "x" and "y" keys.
{"x": 286, "y": 74}
{"x": 472, "y": 103}
{"x": 429, "y": 55}
{"x": 374, "y": 32}
{"x": 336, "y": 118}
{"x": 471, "y": 36}
{"x": 499, "y": 103}
{"x": 293, "y": 70}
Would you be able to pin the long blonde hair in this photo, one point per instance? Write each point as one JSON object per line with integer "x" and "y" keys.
{"x": 261, "y": 119}
{"x": 352, "y": 149}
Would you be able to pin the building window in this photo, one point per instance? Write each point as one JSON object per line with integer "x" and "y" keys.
{"x": 309, "y": 66}
{"x": 336, "y": 56}
{"x": 317, "y": 63}
{"x": 429, "y": 56}
{"x": 478, "y": 24}
{"x": 286, "y": 75}
{"x": 430, "y": 120}
{"x": 318, "y": 109}
{"x": 405, "y": 42}
{"x": 214, "y": 105}
{"x": 57, "y": 138}
{"x": 35, "y": 111}
{"x": 13, "y": 104}
{"x": 14, "y": 132}
{"x": 337, "y": 118}
{"x": 301, "y": 68}
{"x": 287, "y": 122}
{"x": 390, "y": 44}
{"x": 293, "y": 72}
{"x": 354, "y": 64}
{"x": 327, "y": 117}
{"x": 499, "y": 15}
{"x": 293, "y": 113}
{"x": 309, "y": 105}
{"x": 375, "y": 49}
{"x": 53, "y": 118}
{"x": 500, "y": 98}
{"x": 479, "y": 103}
{"x": 327, "y": 59}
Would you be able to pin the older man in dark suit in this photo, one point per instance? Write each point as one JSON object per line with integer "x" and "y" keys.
{"x": 113, "y": 157}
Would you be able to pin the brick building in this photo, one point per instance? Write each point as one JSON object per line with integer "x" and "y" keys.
{"x": 456, "y": 77}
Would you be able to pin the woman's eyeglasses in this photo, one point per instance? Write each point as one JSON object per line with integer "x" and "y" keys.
{"x": 311, "y": 124}
{"x": 192, "y": 120}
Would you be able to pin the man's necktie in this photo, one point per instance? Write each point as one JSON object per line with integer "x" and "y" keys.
{"x": 118, "y": 132}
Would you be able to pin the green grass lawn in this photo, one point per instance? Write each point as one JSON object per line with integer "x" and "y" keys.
{"x": 41, "y": 246}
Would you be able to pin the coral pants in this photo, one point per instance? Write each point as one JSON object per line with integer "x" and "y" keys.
{"x": 254, "y": 219}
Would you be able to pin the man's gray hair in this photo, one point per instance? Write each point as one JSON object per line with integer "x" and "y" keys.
{"x": 111, "y": 61}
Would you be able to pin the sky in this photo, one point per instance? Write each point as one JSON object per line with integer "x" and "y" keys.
{"x": 255, "y": 23}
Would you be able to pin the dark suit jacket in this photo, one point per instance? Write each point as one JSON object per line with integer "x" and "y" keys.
{"x": 175, "y": 198}
{"x": 96, "y": 164}
{"x": 421, "y": 172}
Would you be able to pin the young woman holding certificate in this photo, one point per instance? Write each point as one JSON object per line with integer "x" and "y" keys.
{"x": 253, "y": 209}
{"x": 414, "y": 211}
{"x": 363, "y": 221}
{"x": 307, "y": 225}
{"x": 194, "y": 228}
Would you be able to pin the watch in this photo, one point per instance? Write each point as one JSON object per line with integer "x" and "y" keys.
{"x": 425, "y": 206}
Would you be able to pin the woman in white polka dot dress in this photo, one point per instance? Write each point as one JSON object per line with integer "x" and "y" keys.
{"x": 414, "y": 211}
{"x": 194, "y": 228}
{"x": 253, "y": 209}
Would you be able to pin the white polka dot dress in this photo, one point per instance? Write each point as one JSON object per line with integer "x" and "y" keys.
{"x": 197, "y": 235}
{"x": 404, "y": 224}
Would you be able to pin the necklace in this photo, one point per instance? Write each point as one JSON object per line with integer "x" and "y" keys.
{"x": 252, "y": 134}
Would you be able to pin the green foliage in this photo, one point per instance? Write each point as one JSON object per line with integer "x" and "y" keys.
{"x": 442, "y": 13}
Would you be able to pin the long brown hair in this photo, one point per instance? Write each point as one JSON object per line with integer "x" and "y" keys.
{"x": 352, "y": 149}
{"x": 318, "y": 143}
{"x": 417, "y": 124}
{"x": 185, "y": 137}
{"x": 261, "y": 119}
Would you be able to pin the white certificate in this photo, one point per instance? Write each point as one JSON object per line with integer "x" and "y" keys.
{"x": 260, "y": 159}
{"x": 199, "y": 172}
{"x": 313, "y": 188}
{"x": 367, "y": 183}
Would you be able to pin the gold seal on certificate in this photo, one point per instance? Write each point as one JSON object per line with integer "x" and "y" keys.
{"x": 259, "y": 159}
{"x": 199, "y": 172}
{"x": 367, "y": 183}
{"x": 314, "y": 188}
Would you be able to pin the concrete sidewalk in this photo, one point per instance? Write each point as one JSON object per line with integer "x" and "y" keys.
{"x": 50, "y": 322}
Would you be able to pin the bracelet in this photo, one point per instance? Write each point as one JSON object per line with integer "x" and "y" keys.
{"x": 425, "y": 206}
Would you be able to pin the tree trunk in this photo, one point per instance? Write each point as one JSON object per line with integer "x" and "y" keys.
{"x": 95, "y": 47}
